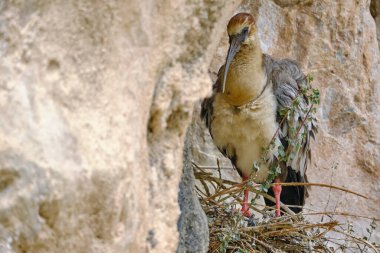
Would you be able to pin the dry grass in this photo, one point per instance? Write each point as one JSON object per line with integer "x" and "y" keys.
{"x": 230, "y": 232}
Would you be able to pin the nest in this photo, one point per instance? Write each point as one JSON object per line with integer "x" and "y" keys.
{"x": 231, "y": 232}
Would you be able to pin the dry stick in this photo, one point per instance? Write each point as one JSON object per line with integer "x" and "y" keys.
{"x": 200, "y": 191}
{"x": 212, "y": 167}
{"x": 230, "y": 194}
{"x": 321, "y": 185}
{"x": 230, "y": 191}
{"x": 225, "y": 191}
{"x": 303, "y": 121}
{"x": 204, "y": 176}
{"x": 267, "y": 196}
{"x": 220, "y": 176}
{"x": 201, "y": 169}
{"x": 260, "y": 242}
{"x": 259, "y": 228}
{"x": 204, "y": 184}
{"x": 250, "y": 206}
{"x": 331, "y": 180}
{"x": 343, "y": 214}
{"x": 218, "y": 163}
{"x": 316, "y": 212}
{"x": 357, "y": 239}
{"x": 275, "y": 226}
{"x": 215, "y": 203}
{"x": 328, "y": 226}
{"x": 283, "y": 184}
{"x": 220, "y": 181}
{"x": 249, "y": 246}
{"x": 216, "y": 249}
{"x": 328, "y": 199}
{"x": 238, "y": 185}
{"x": 223, "y": 181}
{"x": 342, "y": 246}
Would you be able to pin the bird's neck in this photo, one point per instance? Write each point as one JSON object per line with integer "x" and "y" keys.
{"x": 246, "y": 77}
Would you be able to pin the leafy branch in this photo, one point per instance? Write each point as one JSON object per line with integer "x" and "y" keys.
{"x": 301, "y": 110}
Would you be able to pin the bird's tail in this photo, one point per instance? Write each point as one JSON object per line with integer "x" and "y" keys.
{"x": 292, "y": 195}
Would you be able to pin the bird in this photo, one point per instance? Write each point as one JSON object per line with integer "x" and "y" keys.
{"x": 245, "y": 116}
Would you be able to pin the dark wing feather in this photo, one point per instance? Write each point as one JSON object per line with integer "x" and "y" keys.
{"x": 206, "y": 109}
{"x": 299, "y": 124}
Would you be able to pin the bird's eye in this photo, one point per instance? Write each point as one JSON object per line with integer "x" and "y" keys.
{"x": 245, "y": 30}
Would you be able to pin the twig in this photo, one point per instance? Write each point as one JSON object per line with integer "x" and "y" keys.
{"x": 262, "y": 243}
{"x": 303, "y": 121}
{"x": 321, "y": 185}
{"x": 343, "y": 214}
{"x": 358, "y": 239}
{"x": 267, "y": 196}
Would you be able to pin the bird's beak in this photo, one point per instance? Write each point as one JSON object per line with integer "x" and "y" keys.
{"x": 235, "y": 43}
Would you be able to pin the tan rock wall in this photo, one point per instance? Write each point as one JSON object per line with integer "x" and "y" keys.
{"x": 95, "y": 98}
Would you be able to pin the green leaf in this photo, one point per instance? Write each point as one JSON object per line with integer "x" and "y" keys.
{"x": 309, "y": 78}
{"x": 281, "y": 151}
{"x": 264, "y": 187}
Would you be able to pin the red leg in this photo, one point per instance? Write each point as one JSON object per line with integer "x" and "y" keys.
{"x": 245, "y": 208}
{"x": 277, "y": 193}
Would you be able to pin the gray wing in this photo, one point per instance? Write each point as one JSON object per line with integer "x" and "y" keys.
{"x": 207, "y": 109}
{"x": 298, "y": 124}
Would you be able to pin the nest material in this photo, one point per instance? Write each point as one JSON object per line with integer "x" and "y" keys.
{"x": 231, "y": 232}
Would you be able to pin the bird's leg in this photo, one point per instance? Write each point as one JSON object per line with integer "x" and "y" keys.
{"x": 277, "y": 193}
{"x": 245, "y": 208}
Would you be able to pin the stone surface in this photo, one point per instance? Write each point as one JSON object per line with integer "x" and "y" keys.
{"x": 192, "y": 223}
{"x": 95, "y": 99}
{"x": 375, "y": 12}
{"x": 335, "y": 42}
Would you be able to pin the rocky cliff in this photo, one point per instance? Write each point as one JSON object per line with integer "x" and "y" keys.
{"x": 96, "y": 98}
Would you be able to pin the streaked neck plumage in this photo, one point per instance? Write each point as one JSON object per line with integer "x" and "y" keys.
{"x": 246, "y": 76}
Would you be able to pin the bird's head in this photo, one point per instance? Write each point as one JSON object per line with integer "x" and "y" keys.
{"x": 241, "y": 30}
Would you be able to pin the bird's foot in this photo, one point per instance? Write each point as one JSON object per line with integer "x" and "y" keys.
{"x": 245, "y": 207}
{"x": 277, "y": 193}
{"x": 247, "y": 216}
{"x": 245, "y": 212}
{"x": 250, "y": 216}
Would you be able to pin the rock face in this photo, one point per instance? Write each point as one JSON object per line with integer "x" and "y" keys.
{"x": 335, "y": 42}
{"x": 192, "y": 224}
{"x": 375, "y": 12}
{"x": 95, "y": 99}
